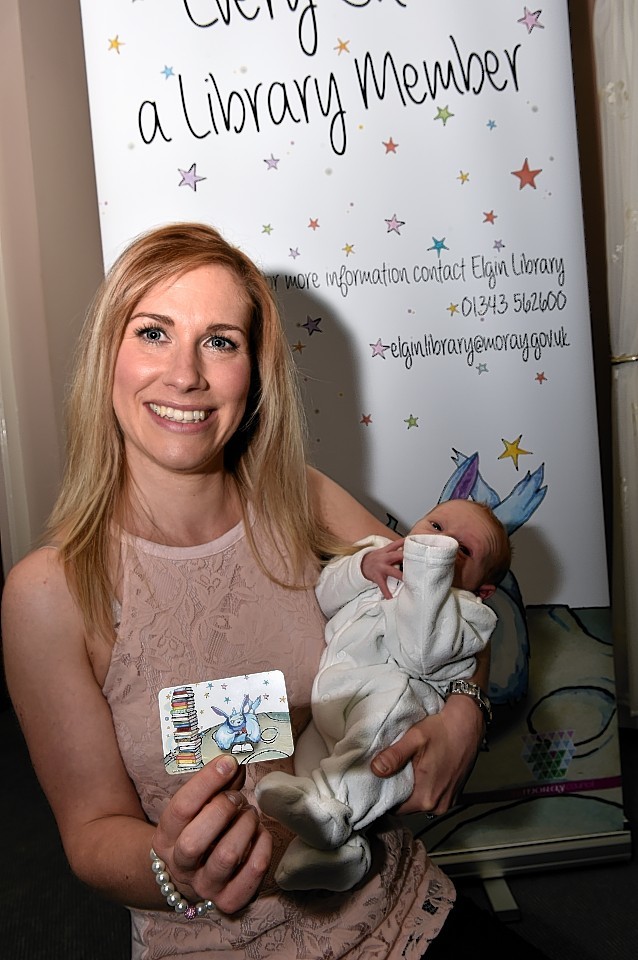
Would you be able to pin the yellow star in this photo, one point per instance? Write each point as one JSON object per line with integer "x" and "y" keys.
{"x": 342, "y": 46}
{"x": 513, "y": 450}
{"x": 348, "y": 249}
{"x": 463, "y": 177}
{"x": 298, "y": 346}
{"x": 115, "y": 43}
{"x": 453, "y": 308}
{"x": 443, "y": 114}
{"x": 411, "y": 421}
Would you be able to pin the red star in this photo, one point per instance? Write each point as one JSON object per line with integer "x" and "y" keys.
{"x": 489, "y": 217}
{"x": 366, "y": 418}
{"x": 314, "y": 223}
{"x": 540, "y": 377}
{"x": 390, "y": 146}
{"x": 526, "y": 176}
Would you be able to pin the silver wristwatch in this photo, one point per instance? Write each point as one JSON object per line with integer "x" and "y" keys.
{"x": 472, "y": 690}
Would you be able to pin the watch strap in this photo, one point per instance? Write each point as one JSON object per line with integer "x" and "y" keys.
{"x": 469, "y": 689}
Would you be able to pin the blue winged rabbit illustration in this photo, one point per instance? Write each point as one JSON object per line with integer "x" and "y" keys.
{"x": 240, "y": 729}
{"x": 509, "y": 671}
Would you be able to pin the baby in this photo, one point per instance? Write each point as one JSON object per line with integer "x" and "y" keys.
{"x": 406, "y": 618}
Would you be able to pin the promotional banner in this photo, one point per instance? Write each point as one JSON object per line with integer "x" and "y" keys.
{"x": 406, "y": 174}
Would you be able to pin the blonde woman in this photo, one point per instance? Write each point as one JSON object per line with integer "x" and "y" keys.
{"x": 164, "y": 563}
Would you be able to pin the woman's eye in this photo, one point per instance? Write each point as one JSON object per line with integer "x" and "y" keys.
{"x": 150, "y": 334}
{"x": 222, "y": 343}
{"x": 435, "y": 525}
{"x": 464, "y": 550}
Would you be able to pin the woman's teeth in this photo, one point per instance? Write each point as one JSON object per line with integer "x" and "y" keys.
{"x": 179, "y": 416}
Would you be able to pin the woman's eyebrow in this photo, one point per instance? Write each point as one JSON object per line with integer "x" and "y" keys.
{"x": 160, "y": 317}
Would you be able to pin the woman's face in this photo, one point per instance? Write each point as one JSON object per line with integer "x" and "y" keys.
{"x": 182, "y": 373}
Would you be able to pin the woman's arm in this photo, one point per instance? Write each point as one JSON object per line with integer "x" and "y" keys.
{"x": 443, "y": 747}
{"x": 69, "y": 731}
{"x": 344, "y": 516}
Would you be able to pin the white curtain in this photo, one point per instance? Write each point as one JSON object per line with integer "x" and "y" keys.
{"x": 616, "y": 53}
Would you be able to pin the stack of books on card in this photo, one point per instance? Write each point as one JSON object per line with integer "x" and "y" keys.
{"x": 188, "y": 740}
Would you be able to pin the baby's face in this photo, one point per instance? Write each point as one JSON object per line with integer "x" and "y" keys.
{"x": 470, "y": 526}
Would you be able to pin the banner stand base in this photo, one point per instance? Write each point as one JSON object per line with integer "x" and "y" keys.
{"x": 501, "y": 900}
{"x": 494, "y": 864}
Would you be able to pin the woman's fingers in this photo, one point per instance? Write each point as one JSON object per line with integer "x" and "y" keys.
{"x": 212, "y": 839}
{"x": 184, "y": 806}
{"x": 236, "y": 867}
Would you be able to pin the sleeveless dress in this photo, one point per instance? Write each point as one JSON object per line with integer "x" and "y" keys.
{"x": 198, "y": 613}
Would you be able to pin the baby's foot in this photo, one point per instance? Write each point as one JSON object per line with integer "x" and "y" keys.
{"x": 322, "y": 822}
{"x": 303, "y": 867}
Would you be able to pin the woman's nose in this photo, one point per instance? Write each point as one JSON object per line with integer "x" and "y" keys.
{"x": 184, "y": 370}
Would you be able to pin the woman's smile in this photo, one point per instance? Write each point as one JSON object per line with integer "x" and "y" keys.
{"x": 179, "y": 414}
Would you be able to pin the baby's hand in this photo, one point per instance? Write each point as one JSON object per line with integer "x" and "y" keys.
{"x": 378, "y": 565}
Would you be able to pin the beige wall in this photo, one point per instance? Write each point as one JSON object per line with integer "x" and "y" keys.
{"x": 50, "y": 255}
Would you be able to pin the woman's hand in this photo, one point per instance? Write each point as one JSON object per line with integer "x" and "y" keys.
{"x": 211, "y": 839}
{"x": 443, "y": 749}
{"x": 377, "y": 565}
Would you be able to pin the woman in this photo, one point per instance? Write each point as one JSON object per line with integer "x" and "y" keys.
{"x": 165, "y": 564}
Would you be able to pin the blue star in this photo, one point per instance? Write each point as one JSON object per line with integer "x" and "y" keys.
{"x": 168, "y": 72}
{"x": 438, "y": 246}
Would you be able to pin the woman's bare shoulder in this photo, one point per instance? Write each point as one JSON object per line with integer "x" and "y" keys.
{"x": 36, "y": 594}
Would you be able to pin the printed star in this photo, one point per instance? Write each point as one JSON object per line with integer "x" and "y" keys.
{"x": 438, "y": 245}
{"x": 490, "y": 217}
{"x": 379, "y": 348}
{"x": 482, "y": 368}
{"x": 498, "y": 245}
{"x": 266, "y": 683}
{"x": 491, "y": 124}
{"x": 342, "y": 46}
{"x": 348, "y": 249}
{"x": 267, "y": 228}
{"x": 115, "y": 43}
{"x": 294, "y": 252}
{"x": 526, "y": 176}
{"x": 271, "y": 162}
{"x": 366, "y": 418}
{"x": 443, "y": 114}
{"x": 224, "y": 686}
{"x": 531, "y": 19}
{"x": 540, "y": 377}
{"x": 453, "y": 308}
{"x": 411, "y": 421}
{"x": 463, "y": 177}
{"x": 312, "y": 326}
{"x": 390, "y": 145}
{"x": 298, "y": 347}
{"x": 314, "y": 224}
{"x": 190, "y": 178}
{"x": 395, "y": 225}
{"x": 513, "y": 450}
{"x": 168, "y": 72}
{"x": 282, "y": 699}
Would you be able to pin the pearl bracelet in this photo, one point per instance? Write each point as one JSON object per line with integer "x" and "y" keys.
{"x": 173, "y": 897}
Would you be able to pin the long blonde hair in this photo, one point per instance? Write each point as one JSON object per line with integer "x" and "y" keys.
{"x": 266, "y": 456}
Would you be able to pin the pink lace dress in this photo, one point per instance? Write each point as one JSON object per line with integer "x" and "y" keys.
{"x": 196, "y": 613}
